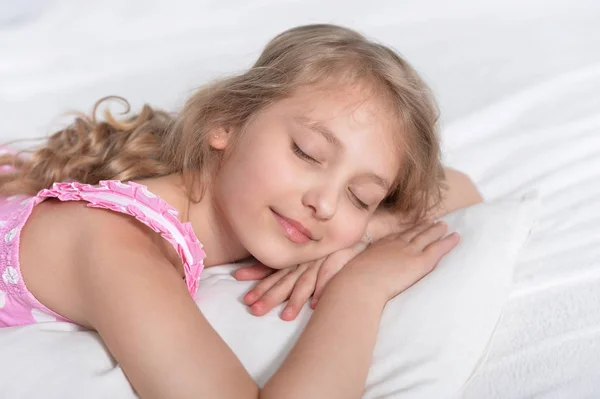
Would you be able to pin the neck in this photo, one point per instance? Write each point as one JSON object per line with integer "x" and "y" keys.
{"x": 214, "y": 232}
{"x": 210, "y": 226}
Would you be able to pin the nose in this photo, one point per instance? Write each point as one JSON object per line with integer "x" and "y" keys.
{"x": 322, "y": 200}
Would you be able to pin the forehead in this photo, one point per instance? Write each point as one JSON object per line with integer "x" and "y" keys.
{"x": 363, "y": 121}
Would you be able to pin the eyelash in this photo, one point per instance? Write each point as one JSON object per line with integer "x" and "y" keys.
{"x": 302, "y": 155}
{"x": 360, "y": 204}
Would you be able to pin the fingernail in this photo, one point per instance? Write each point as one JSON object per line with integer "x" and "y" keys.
{"x": 257, "y": 307}
{"x": 287, "y": 313}
{"x": 250, "y": 297}
{"x": 313, "y": 303}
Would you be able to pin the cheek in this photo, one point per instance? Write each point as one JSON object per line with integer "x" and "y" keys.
{"x": 347, "y": 232}
{"x": 256, "y": 173}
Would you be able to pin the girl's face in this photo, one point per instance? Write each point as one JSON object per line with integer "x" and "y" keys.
{"x": 307, "y": 173}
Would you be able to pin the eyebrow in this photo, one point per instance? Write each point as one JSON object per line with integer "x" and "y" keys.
{"x": 318, "y": 127}
{"x": 380, "y": 181}
{"x": 321, "y": 129}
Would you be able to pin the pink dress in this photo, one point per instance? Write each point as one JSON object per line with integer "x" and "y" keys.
{"x": 18, "y": 306}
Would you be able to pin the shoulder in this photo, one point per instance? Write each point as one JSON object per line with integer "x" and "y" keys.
{"x": 86, "y": 227}
{"x": 101, "y": 235}
{"x": 66, "y": 247}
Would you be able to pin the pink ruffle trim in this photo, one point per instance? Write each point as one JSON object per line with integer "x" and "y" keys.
{"x": 192, "y": 264}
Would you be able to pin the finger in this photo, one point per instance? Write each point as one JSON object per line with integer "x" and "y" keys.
{"x": 438, "y": 249}
{"x": 259, "y": 289}
{"x": 432, "y": 254}
{"x": 302, "y": 291}
{"x": 410, "y": 234}
{"x": 278, "y": 293}
{"x": 254, "y": 272}
{"x": 429, "y": 235}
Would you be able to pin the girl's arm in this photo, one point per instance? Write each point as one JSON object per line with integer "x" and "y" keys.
{"x": 140, "y": 306}
{"x": 332, "y": 356}
{"x": 461, "y": 193}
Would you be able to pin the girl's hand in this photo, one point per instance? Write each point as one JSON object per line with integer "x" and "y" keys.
{"x": 394, "y": 263}
{"x": 296, "y": 283}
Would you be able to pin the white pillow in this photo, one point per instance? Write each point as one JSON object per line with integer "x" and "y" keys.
{"x": 431, "y": 338}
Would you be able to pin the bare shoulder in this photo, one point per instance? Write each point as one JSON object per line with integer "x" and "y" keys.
{"x": 62, "y": 239}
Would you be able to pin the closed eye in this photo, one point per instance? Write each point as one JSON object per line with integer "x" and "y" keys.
{"x": 301, "y": 154}
{"x": 358, "y": 202}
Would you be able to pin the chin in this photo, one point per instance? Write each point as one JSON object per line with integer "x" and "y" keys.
{"x": 274, "y": 258}
{"x": 276, "y": 254}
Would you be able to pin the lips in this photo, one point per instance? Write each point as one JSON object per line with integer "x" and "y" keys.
{"x": 293, "y": 229}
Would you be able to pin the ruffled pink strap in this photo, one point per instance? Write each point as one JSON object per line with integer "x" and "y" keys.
{"x": 134, "y": 199}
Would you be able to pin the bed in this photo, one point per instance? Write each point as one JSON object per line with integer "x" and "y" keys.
{"x": 519, "y": 89}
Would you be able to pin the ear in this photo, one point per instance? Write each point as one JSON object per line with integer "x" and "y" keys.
{"x": 219, "y": 138}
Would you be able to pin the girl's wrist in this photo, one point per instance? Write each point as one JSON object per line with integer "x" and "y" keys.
{"x": 353, "y": 282}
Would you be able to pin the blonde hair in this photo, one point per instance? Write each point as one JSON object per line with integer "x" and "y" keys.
{"x": 154, "y": 143}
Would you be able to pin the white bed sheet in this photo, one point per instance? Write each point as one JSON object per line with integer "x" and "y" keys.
{"x": 519, "y": 88}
